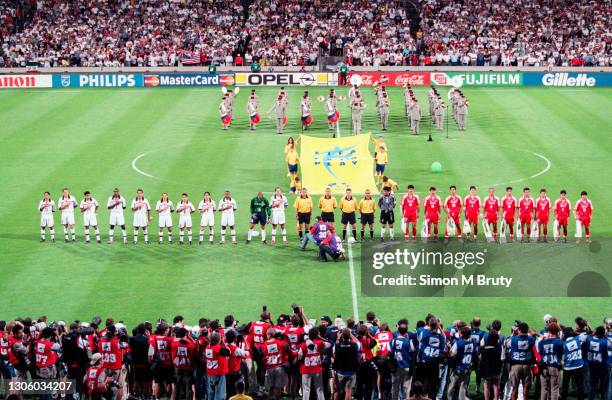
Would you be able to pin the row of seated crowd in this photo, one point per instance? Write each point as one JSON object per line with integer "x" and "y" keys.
{"x": 99, "y": 33}
{"x": 322, "y": 359}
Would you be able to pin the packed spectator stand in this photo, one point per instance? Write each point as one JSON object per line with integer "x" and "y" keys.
{"x": 375, "y": 33}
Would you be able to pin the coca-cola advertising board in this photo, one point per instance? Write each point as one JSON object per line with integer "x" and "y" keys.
{"x": 390, "y": 78}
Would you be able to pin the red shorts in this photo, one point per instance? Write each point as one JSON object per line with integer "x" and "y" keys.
{"x": 525, "y": 219}
{"x": 432, "y": 218}
{"x": 491, "y": 219}
{"x": 455, "y": 217}
{"x": 543, "y": 219}
{"x": 472, "y": 219}
{"x": 411, "y": 218}
{"x": 586, "y": 222}
{"x": 562, "y": 221}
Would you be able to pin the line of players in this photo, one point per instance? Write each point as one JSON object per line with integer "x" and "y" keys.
{"x": 530, "y": 213}
{"x": 533, "y": 214}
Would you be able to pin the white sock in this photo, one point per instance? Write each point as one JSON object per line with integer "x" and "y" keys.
{"x": 181, "y": 236}
{"x": 284, "y": 234}
{"x": 135, "y": 235}
{"x": 273, "y": 233}
{"x": 170, "y": 237}
{"x": 42, "y": 234}
{"x": 382, "y": 232}
{"x": 189, "y": 235}
{"x": 72, "y": 233}
{"x": 161, "y": 237}
{"x": 222, "y": 235}
{"x": 52, "y": 233}
{"x": 250, "y": 234}
{"x": 111, "y": 232}
{"x": 87, "y": 234}
{"x": 211, "y": 235}
{"x": 146, "y": 234}
{"x": 392, "y": 232}
{"x": 66, "y": 233}
{"x": 263, "y": 235}
{"x": 124, "y": 233}
{"x": 97, "y": 232}
{"x": 233, "y": 235}
{"x": 201, "y": 235}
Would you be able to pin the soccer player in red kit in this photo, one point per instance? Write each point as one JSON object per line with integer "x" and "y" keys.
{"x": 509, "y": 206}
{"x": 410, "y": 210}
{"x": 562, "y": 211}
{"x": 542, "y": 214}
{"x": 583, "y": 211}
{"x": 432, "y": 206}
{"x": 491, "y": 207}
{"x": 526, "y": 212}
{"x": 472, "y": 210}
{"x": 452, "y": 206}
{"x": 258, "y": 331}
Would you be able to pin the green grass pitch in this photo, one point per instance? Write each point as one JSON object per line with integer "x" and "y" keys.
{"x": 87, "y": 139}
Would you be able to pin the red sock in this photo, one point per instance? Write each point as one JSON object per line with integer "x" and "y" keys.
{"x": 495, "y": 229}
{"x": 545, "y": 230}
{"x": 475, "y": 229}
{"x": 528, "y": 229}
{"x": 511, "y": 229}
{"x": 414, "y": 230}
{"x": 564, "y": 230}
{"x": 458, "y": 230}
{"x": 587, "y": 231}
{"x": 435, "y": 229}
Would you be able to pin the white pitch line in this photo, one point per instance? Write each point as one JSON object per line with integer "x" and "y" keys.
{"x": 351, "y": 263}
{"x": 542, "y": 172}
{"x": 135, "y": 168}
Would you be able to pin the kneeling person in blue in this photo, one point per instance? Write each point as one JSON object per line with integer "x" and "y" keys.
{"x": 260, "y": 213}
{"x": 317, "y": 233}
{"x": 332, "y": 246}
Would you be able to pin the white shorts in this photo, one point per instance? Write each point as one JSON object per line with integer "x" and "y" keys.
{"x": 117, "y": 219}
{"x": 90, "y": 220}
{"x": 165, "y": 221}
{"x": 208, "y": 219}
{"x": 278, "y": 218}
{"x": 185, "y": 221}
{"x": 140, "y": 221}
{"x": 227, "y": 219}
{"x": 47, "y": 221}
{"x": 67, "y": 219}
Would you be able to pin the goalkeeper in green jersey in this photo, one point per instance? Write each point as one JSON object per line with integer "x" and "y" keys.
{"x": 260, "y": 214}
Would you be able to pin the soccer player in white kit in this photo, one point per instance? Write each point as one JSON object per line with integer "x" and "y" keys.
{"x": 142, "y": 215}
{"x": 67, "y": 203}
{"x": 184, "y": 208}
{"x": 116, "y": 204}
{"x": 47, "y": 208}
{"x": 164, "y": 208}
{"x": 89, "y": 207}
{"x": 227, "y": 207}
{"x": 278, "y": 204}
{"x": 207, "y": 210}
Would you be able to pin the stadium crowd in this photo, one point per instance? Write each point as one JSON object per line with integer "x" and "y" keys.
{"x": 297, "y": 33}
{"x": 322, "y": 359}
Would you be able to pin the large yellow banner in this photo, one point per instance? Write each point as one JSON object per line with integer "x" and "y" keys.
{"x": 339, "y": 163}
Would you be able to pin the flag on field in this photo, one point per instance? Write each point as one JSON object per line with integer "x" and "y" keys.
{"x": 424, "y": 228}
{"x": 337, "y": 163}
{"x": 333, "y": 117}
{"x": 556, "y": 232}
{"x": 578, "y": 229}
{"x": 466, "y": 227}
{"x": 519, "y": 231}
{"x": 535, "y": 230}
{"x": 226, "y": 119}
{"x": 451, "y": 228}
{"x": 307, "y": 120}
{"x": 255, "y": 118}
{"x": 284, "y": 120}
{"x": 189, "y": 57}
{"x": 487, "y": 230}
{"x": 502, "y": 231}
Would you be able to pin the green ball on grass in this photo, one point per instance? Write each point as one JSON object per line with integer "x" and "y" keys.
{"x": 436, "y": 167}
